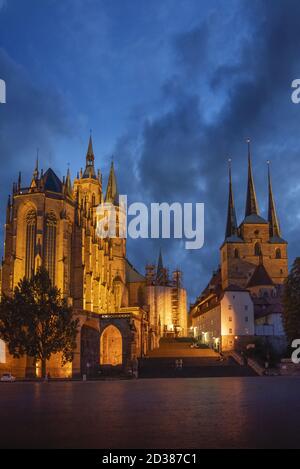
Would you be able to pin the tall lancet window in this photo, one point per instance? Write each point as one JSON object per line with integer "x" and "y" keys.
{"x": 68, "y": 257}
{"x": 50, "y": 245}
{"x": 30, "y": 243}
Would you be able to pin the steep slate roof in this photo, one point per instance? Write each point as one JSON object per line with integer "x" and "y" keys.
{"x": 265, "y": 305}
{"x": 132, "y": 275}
{"x": 254, "y": 218}
{"x": 234, "y": 239}
{"x": 52, "y": 182}
{"x": 277, "y": 240}
{"x": 233, "y": 288}
{"x": 260, "y": 277}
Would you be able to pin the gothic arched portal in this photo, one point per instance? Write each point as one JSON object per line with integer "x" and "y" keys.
{"x": 89, "y": 350}
{"x": 111, "y": 346}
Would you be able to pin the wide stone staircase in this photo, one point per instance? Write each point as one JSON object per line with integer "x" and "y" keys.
{"x": 202, "y": 362}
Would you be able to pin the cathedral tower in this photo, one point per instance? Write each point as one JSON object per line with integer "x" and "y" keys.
{"x": 256, "y": 241}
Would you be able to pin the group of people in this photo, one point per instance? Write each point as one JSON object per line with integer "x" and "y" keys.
{"x": 178, "y": 364}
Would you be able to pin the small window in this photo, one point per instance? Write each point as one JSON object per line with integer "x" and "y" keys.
{"x": 281, "y": 271}
{"x": 233, "y": 296}
{"x": 229, "y": 306}
{"x": 246, "y": 307}
{"x": 257, "y": 249}
{"x": 246, "y": 319}
{"x": 230, "y": 331}
{"x": 230, "y": 319}
{"x": 236, "y": 253}
{"x": 278, "y": 253}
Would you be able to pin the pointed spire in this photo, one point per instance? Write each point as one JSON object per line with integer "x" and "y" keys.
{"x": 36, "y": 169}
{"x": 161, "y": 273}
{"x": 112, "y": 190}
{"x": 251, "y": 202}
{"x": 231, "y": 226}
{"x": 89, "y": 171}
{"x": 90, "y": 152}
{"x": 160, "y": 264}
{"x": 272, "y": 214}
{"x": 35, "y": 176}
{"x": 68, "y": 184}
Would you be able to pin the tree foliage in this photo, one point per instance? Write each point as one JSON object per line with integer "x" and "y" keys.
{"x": 291, "y": 301}
{"x": 37, "y": 321}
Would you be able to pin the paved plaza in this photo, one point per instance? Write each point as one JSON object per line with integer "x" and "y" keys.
{"x": 159, "y": 413}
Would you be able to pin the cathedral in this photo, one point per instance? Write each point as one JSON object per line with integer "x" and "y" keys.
{"x": 122, "y": 313}
{"x": 244, "y": 296}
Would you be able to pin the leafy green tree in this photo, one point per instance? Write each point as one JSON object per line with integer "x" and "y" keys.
{"x": 291, "y": 302}
{"x": 37, "y": 322}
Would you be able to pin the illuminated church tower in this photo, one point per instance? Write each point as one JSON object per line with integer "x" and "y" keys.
{"x": 53, "y": 223}
{"x": 255, "y": 242}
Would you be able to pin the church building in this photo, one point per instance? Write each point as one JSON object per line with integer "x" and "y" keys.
{"x": 54, "y": 223}
{"x": 244, "y": 296}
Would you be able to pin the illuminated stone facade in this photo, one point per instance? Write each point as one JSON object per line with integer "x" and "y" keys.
{"x": 53, "y": 223}
{"x": 253, "y": 267}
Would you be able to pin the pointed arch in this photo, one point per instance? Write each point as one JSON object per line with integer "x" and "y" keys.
{"x": 257, "y": 249}
{"x": 111, "y": 346}
{"x": 30, "y": 221}
{"x": 236, "y": 253}
{"x": 50, "y": 244}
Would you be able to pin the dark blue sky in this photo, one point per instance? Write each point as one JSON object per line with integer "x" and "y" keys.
{"x": 171, "y": 88}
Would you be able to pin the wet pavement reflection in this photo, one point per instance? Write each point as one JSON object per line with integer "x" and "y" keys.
{"x": 158, "y": 413}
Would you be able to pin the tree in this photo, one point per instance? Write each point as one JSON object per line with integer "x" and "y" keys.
{"x": 291, "y": 302}
{"x": 37, "y": 321}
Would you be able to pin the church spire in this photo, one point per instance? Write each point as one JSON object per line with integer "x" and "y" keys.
{"x": 251, "y": 202}
{"x": 112, "y": 190}
{"x": 35, "y": 175}
{"x": 89, "y": 171}
{"x": 160, "y": 264}
{"x": 36, "y": 169}
{"x": 272, "y": 215}
{"x": 231, "y": 226}
{"x": 160, "y": 273}
{"x": 68, "y": 184}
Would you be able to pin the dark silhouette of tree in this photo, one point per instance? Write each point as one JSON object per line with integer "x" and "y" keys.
{"x": 291, "y": 301}
{"x": 37, "y": 321}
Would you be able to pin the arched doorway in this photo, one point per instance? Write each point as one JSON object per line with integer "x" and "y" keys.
{"x": 89, "y": 350}
{"x": 111, "y": 347}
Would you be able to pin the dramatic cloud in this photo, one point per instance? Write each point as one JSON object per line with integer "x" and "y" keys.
{"x": 171, "y": 93}
{"x": 31, "y": 118}
{"x": 184, "y": 150}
